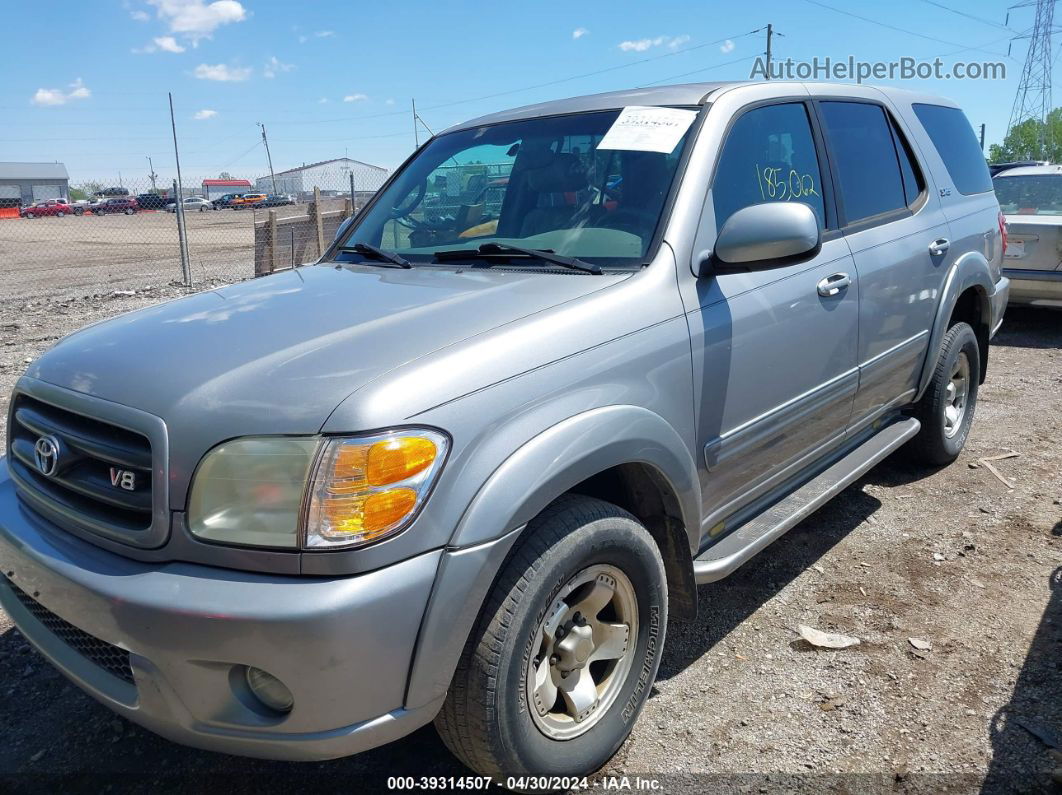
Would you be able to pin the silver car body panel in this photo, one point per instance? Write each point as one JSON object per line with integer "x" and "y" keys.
{"x": 726, "y": 387}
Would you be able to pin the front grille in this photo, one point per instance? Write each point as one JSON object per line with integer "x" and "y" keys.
{"x": 111, "y": 659}
{"x": 102, "y": 476}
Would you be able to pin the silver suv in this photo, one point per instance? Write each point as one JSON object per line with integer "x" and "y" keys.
{"x": 572, "y": 361}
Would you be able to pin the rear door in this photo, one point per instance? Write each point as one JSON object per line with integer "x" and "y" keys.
{"x": 898, "y": 238}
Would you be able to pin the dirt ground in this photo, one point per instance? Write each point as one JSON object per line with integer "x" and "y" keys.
{"x": 73, "y": 255}
{"x": 952, "y": 557}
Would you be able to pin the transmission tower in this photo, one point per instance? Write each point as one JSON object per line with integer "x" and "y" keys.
{"x": 1033, "y": 100}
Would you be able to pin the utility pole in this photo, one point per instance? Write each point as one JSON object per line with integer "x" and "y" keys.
{"x": 151, "y": 174}
{"x": 269, "y": 157}
{"x": 178, "y": 187}
{"x": 982, "y": 137}
{"x": 770, "y": 34}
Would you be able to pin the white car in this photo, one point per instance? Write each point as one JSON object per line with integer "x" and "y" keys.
{"x": 191, "y": 203}
{"x": 1031, "y": 200}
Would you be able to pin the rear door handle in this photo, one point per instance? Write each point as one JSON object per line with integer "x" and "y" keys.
{"x": 832, "y": 285}
{"x": 939, "y": 246}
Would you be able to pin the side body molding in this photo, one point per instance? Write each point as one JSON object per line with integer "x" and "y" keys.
{"x": 969, "y": 270}
{"x": 537, "y": 473}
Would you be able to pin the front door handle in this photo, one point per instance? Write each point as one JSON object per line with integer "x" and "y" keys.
{"x": 939, "y": 246}
{"x": 832, "y": 285}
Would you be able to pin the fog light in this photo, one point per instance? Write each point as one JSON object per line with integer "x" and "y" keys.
{"x": 269, "y": 690}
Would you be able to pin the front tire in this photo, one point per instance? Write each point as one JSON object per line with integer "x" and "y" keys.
{"x": 946, "y": 410}
{"x": 566, "y": 648}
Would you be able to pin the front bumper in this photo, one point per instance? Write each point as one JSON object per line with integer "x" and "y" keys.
{"x": 343, "y": 646}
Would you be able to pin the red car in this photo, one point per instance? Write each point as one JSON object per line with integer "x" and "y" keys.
{"x": 121, "y": 204}
{"x": 56, "y": 207}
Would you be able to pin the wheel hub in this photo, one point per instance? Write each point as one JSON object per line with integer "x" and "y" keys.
{"x": 583, "y": 652}
{"x": 955, "y": 396}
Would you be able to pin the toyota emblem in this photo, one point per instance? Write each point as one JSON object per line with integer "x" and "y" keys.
{"x": 46, "y": 455}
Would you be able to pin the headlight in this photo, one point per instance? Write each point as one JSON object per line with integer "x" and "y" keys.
{"x": 368, "y": 488}
{"x": 266, "y": 491}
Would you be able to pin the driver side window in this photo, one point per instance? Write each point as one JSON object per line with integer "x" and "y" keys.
{"x": 460, "y": 199}
{"x": 769, "y": 156}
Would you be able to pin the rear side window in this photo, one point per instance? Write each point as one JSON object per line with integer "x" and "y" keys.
{"x": 769, "y": 156}
{"x": 957, "y": 146}
{"x": 864, "y": 151}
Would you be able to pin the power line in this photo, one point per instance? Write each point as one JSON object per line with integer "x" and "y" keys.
{"x": 968, "y": 15}
{"x": 892, "y": 27}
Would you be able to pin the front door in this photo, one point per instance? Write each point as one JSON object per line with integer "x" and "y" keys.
{"x": 774, "y": 350}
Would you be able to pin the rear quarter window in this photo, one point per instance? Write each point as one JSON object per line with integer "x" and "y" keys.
{"x": 957, "y": 146}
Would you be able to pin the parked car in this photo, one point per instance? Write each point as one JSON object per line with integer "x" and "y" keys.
{"x": 276, "y": 200}
{"x": 1031, "y": 199}
{"x": 471, "y": 480}
{"x": 53, "y": 207}
{"x": 112, "y": 191}
{"x": 997, "y": 168}
{"x": 226, "y": 201}
{"x": 248, "y": 200}
{"x": 152, "y": 201}
{"x": 126, "y": 205}
{"x": 191, "y": 203}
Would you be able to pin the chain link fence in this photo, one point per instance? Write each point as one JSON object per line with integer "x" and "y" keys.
{"x": 91, "y": 238}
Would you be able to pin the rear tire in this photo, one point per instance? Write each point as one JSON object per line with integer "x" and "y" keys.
{"x": 946, "y": 410}
{"x": 542, "y": 687}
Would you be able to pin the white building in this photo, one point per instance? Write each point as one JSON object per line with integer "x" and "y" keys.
{"x": 330, "y": 176}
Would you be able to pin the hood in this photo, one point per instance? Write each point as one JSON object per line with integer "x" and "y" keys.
{"x": 278, "y": 354}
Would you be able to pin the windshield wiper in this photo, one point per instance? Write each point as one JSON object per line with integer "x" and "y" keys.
{"x": 505, "y": 249}
{"x": 371, "y": 252}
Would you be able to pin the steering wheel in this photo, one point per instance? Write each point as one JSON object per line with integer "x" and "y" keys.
{"x": 411, "y": 202}
{"x": 628, "y": 219}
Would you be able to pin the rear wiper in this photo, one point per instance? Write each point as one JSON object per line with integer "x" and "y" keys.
{"x": 371, "y": 252}
{"x": 505, "y": 249}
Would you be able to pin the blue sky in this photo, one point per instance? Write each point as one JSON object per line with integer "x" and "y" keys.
{"x": 331, "y": 78}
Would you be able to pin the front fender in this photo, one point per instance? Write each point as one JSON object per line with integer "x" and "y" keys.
{"x": 572, "y": 451}
{"x": 537, "y": 473}
{"x": 969, "y": 270}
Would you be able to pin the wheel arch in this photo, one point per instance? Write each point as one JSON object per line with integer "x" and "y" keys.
{"x": 627, "y": 455}
{"x": 965, "y": 296}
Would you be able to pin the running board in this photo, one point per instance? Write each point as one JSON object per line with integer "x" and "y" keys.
{"x": 725, "y": 557}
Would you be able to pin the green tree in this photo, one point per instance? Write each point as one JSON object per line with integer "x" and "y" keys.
{"x": 77, "y": 195}
{"x": 1023, "y": 141}
{"x": 86, "y": 188}
{"x": 224, "y": 175}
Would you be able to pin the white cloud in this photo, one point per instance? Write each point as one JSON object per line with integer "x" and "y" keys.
{"x": 641, "y": 45}
{"x": 206, "y": 113}
{"x": 578, "y": 33}
{"x": 322, "y": 101}
{"x": 222, "y": 73}
{"x": 168, "y": 44}
{"x": 389, "y": 101}
{"x": 726, "y": 46}
{"x": 55, "y": 96}
{"x": 355, "y": 98}
{"x": 275, "y": 66}
{"x": 197, "y": 19}
{"x": 140, "y": 16}
{"x": 324, "y": 34}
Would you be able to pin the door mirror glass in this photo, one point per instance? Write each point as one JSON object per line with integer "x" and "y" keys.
{"x": 768, "y": 235}
{"x": 343, "y": 227}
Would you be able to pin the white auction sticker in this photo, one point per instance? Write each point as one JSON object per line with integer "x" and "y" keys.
{"x": 645, "y": 129}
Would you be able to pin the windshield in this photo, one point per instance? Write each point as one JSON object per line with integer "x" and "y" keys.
{"x": 544, "y": 183}
{"x": 1030, "y": 195}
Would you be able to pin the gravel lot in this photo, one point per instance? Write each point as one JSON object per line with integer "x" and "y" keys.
{"x": 74, "y": 255}
{"x": 953, "y": 557}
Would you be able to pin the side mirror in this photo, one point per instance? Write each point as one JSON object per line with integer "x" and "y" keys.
{"x": 766, "y": 236}
{"x": 343, "y": 227}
